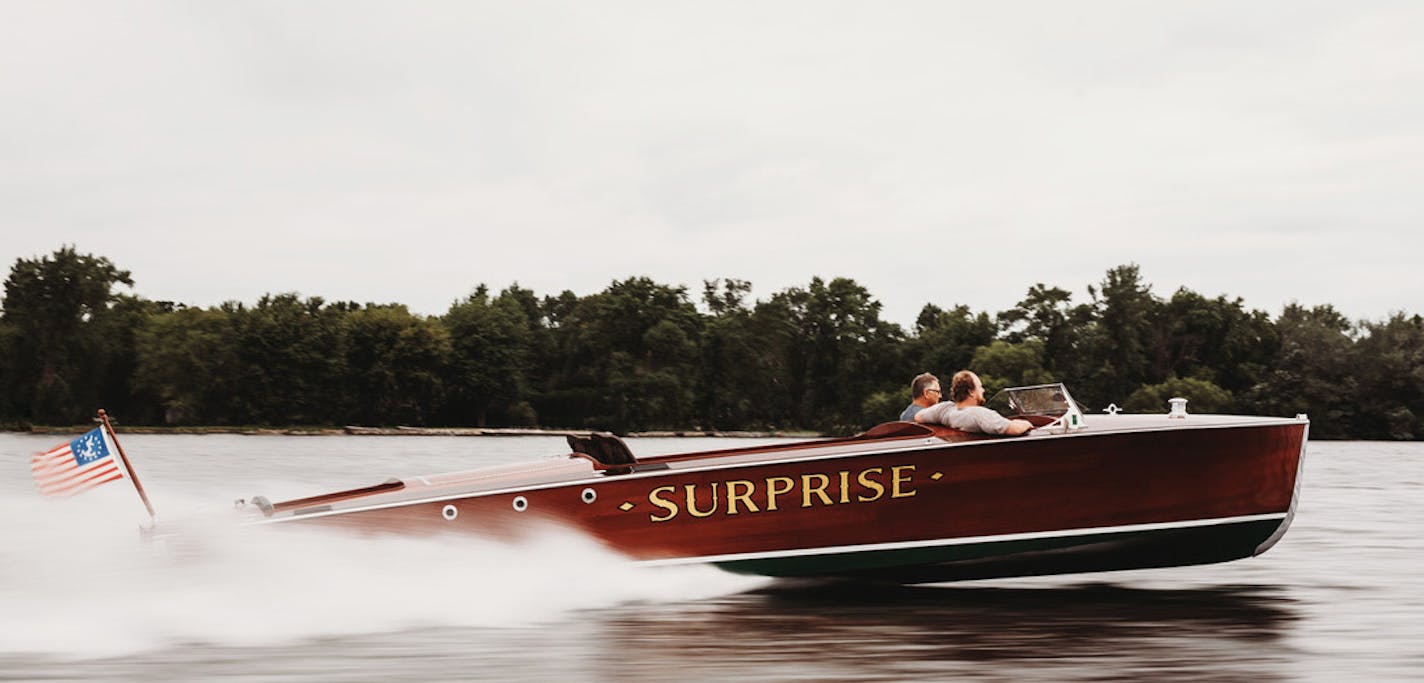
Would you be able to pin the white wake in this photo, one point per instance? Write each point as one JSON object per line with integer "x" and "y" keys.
{"x": 76, "y": 582}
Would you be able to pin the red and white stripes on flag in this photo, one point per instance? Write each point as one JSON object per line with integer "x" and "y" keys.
{"x": 77, "y": 466}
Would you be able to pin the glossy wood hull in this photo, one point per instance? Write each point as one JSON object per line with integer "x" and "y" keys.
{"x": 910, "y": 508}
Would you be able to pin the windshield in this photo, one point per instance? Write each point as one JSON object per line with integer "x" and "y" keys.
{"x": 1041, "y": 399}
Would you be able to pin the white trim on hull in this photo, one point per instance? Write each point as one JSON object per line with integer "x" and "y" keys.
{"x": 938, "y": 542}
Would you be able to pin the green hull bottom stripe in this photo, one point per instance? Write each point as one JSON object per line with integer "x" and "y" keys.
{"x": 1026, "y": 557}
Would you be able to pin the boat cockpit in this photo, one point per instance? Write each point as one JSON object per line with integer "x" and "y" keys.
{"x": 1044, "y": 405}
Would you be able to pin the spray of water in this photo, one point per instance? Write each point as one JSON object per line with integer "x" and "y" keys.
{"x": 75, "y": 581}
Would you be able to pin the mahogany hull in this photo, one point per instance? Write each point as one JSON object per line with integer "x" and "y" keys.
{"x": 916, "y": 508}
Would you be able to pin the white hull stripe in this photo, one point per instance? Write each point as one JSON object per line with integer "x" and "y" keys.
{"x": 938, "y": 542}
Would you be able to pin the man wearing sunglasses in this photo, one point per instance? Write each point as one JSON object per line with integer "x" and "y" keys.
{"x": 924, "y": 390}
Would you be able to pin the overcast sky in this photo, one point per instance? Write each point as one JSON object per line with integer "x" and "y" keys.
{"x": 935, "y": 152}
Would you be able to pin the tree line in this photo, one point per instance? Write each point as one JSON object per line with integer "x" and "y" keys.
{"x": 643, "y": 355}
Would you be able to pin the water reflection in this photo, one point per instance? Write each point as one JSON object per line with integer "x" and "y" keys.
{"x": 850, "y": 632}
{"x": 788, "y": 633}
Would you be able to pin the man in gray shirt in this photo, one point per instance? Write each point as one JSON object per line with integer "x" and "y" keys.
{"x": 965, "y": 410}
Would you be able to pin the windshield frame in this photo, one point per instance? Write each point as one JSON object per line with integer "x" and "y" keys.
{"x": 1051, "y": 400}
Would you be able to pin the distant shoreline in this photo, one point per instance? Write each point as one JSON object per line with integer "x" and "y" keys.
{"x": 355, "y": 430}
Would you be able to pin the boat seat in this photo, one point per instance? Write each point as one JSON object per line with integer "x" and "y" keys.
{"x": 603, "y": 448}
{"x": 898, "y": 428}
{"x": 894, "y": 430}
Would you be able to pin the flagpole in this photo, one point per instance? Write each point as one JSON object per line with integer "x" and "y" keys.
{"x": 104, "y": 417}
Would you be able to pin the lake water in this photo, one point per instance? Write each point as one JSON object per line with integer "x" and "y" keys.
{"x": 1341, "y": 597}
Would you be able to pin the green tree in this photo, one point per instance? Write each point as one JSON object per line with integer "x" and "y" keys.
{"x": 1202, "y": 396}
{"x": 624, "y": 358}
{"x": 1001, "y": 364}
{"x": 1046, "y": 314}
{"x": 189, "y": 359}
{"x": 490, "y": 340}
{"x": 640, "y": 338}
{"x": 838, "y": 352}
{"x": 1314, "y": 372}
{"x": 112, "y": 351}
{"x": 291, "y": 355}
{"x": 733, "y": 360}
{"x": 562, "y": 392}
{"x": 11, "y": 382}
{"x": 49, "y": 304}
{"x": 1215, "y": 339}
{"x": 1118, "y": 341}
{"x": 945, "y": 340}
{"x": 884, "y": 406}
{"x": 541, "y": 348}
{"x": 397, "y": 363}
{"x": 639, "y": 355}
{"x": 764, "y": 363}
{"x": 1390, "y": 370}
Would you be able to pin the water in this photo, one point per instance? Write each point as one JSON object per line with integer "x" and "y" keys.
{"x": 1340, "y": 597}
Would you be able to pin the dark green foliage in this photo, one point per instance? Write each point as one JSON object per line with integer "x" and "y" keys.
{"x": 734, "y": 362}
{"x": 291, "y": 356}
{"x": 1214, "y": 339}
{"x": 1001, "y": 364}
{"x": 1391, "y": 376}
{"x": 189, "y": 358}
{"x": 1046, "y": 314}
{"x": 397, "y": 365}
{"x": 490, "y": 343}
{"x": 944, "y": 341}
{"x": 1120, "y": 336}
{"x": 837, "y": 351}
{"x": 55, "y": 311}
{"x": 624, "y": 358}
{"x": 1202, "y": 396}
{"x": 641, "y": 355}
{"x": 112, "y": 352}
{"x": 1315, "y": 372}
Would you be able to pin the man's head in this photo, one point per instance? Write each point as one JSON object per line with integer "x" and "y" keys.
{"x": 965, "y": 385}
{"x": 925, "y": 386}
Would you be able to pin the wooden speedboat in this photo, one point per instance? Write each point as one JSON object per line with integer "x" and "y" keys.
{"x": 902, "y": 502}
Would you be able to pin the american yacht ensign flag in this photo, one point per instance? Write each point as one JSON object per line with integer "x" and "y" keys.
{"x": 76, "y": 466}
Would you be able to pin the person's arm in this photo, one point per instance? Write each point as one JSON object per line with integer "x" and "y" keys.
{"x": 1017, "y": 427}
{"x": 932, "y": 414}
{"x": 990, "y": 422}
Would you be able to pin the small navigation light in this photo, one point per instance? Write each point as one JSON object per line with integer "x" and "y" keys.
{"x": 1179, "y": 407}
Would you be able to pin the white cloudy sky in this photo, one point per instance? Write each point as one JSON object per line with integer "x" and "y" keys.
{"x": 933, "y": 151}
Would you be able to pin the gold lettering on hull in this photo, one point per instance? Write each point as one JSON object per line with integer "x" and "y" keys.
{"x": 895, "y": 490}
{"x": 655, "y": 497}
{"x": 771, "y": 494}
{"x": 870, "y": 484}
{"x": 772, "y": 490}
{"x": 818, "y": 488}
{"x": 745, "y": 495}
{"x": 692, "y": 501}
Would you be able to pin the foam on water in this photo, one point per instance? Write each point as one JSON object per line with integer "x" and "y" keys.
{"x": 75, "y": 581}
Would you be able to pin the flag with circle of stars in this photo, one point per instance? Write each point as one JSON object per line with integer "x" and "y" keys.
{"x": 89, "y": 448}
{"x": 75, "y": 466}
